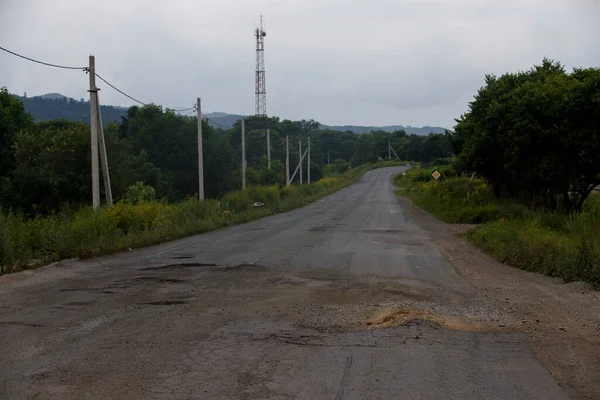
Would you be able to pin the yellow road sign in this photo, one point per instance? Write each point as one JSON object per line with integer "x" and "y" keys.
{"x": 436, "y": 175}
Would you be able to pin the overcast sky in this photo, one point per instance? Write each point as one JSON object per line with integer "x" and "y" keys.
{"x": 360, "y": 62}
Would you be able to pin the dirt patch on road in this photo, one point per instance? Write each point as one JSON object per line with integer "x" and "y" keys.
{"x": 401, "y": 316}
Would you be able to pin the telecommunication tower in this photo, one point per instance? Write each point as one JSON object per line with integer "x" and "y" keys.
{"x": 260, "y": 85}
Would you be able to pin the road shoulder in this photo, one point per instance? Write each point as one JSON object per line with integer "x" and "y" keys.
{"x": 561, "y": 320}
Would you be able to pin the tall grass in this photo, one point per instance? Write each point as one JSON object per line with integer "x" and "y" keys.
{"x": 566, "y": 246}
{"x": 456, "y": 199}
{"x": 555, "y": 244}
{"x": 26, "y": 243}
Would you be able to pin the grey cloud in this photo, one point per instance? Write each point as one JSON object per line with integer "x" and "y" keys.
{"x": 374, "y": 62}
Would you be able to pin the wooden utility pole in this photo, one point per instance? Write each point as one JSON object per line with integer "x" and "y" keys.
{"x": 200, "y": 152}
{"x": 287, "y": 160}
{"x": 389, "y": 151}
{"x": 269, "y": 148}
{"x": 300, "y": 158}
{"x": 94, "y": 135}
{"x": 103, "y": 156}
{"x": 243, "y": 154}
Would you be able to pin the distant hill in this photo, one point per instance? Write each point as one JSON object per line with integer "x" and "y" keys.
{"x": 226, "y": 121}
{"x": 426, "y": 130}
{"x": 55, "y": 105}
{"x": 223, "y": 120}
{"x": 53, "y": 96}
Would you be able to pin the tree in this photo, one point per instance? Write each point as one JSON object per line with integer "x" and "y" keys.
{"x": 52, "y": 167}
{"x": 13, "y": 119}
{"x": 534, "y": 135}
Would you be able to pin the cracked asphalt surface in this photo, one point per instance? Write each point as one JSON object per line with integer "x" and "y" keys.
{"x": 301, "y": 305}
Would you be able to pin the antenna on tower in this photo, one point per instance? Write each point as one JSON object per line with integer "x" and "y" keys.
{"x": 260, "y": 84}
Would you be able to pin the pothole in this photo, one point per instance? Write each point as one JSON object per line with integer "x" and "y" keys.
{"x": 19, "y": 323}
{"x": 118, "y": 285}
{"x": 77, "y": 303}
{"x": 176, "y": 266}
{"x": 401, "y": 316}
{"x": 383, "y": 230}
{"x": 164, "y": 303}
{"x": 91, "y": 290}
{"x": 181, "y": 257}
{"x": 153, "y": 279}
{"x": 239, "y": 267}
{"x": 171, "y": 280}
{"x": 290, "y": 281}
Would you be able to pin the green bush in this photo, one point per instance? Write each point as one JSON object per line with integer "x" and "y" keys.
{"x": 140, "y": 217}
{"x": 438, "y": 162}
{"x": 453, "y": 199}
{"x": 139, "y": 193}
{"x": 192, "y": 210}
{"x": 238, "y": 200}
{"x": 269, "y": 195}
{"x": 290, "y": 191}
{"x": 422, "y": 176}
{"x": 447, "y": 172}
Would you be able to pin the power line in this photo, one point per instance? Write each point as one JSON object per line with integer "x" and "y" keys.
{"x": 304, "y": 144}
{"x": 42, "y": 62}
{"x": 136, "y": 100}
{"x": 102, "y": 79}
{"x": 184, "y": 109}
{"x": 120, "y": 91}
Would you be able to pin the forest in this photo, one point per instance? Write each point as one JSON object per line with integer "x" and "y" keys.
{"x": 45, "y": 166}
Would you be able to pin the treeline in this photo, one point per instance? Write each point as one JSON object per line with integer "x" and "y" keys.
{"x": 535, "y": 136}
{"x": 45, "y": 166}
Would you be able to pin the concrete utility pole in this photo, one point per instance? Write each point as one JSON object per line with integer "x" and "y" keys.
{"x": 298, "y": 166}
{"x": 200, "y": 153}
{"x": 308, "y": 162}
{"x": 103, "y": 157}
{"x": 287, "y": 161}
{"x": 300, "y": 158}
{"x": 394, "y": 151}
{"x": 94, "y": 135}
{"x": 243, "y": 154}
{"x": 269, "y": 148}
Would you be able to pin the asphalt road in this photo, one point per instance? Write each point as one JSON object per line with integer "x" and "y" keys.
{"x": 273, "y": 309}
